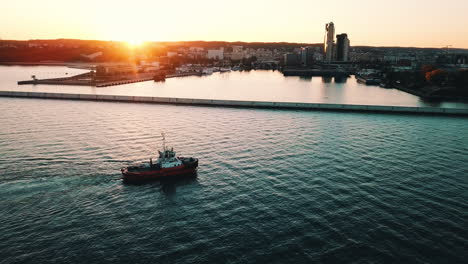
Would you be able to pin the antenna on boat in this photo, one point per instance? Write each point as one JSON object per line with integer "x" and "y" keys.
{"x": 164, "y": 141}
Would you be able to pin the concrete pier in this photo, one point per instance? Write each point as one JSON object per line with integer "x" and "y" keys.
{"x": 113, "y": 83}
{"x": 88, "y": 80}
{"x": 235, "y": 103}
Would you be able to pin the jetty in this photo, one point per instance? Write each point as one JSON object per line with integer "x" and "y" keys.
{"x": 184, "y": 74}
{"x": 241, "y": 104}
{"x": 90, "y": 79}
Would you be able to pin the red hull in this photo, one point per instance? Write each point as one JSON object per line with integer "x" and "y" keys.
{"x": 138, "y": 176}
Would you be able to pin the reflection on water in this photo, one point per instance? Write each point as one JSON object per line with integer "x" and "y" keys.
{"x": 169, "y": 186}
{"x": 326, "y": 79}
{"x": 305, "y": 78}
{"x": 256, "y": 85}
{"x": 341, "y": 79}
{"x": 432, "y": 102}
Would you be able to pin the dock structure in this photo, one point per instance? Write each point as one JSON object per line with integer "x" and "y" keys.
{"x": 242, "y": 104}
{"x": 79, "y": 79}
{"x": 112, "y": 83}
{"x": 183, "y": 74}
{"x": 89, "y": 79}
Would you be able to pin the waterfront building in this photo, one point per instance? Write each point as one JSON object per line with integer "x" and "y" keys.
{"x": 171, "y": 53}
{"x": 237, "y": 56}
{"x": 374, "y": 57}
{"x": 318, "y": 56}
{"x": 237, "y": 53}
{"x": 237, "y": 49}
{"x": 150, "y": 63}
{"x": 263, "y": 54}
{"x": 342, "y": 47}
{"x": 196, "y": 49}
{"x": 329, "y": 42}
{"x": 334, "y": 55}
{"x": 115, "y": 69}
{"x": 217, "y": 54}
{"x": 307, "y": 56}
{"x": 291, "y": 59}
{"x": 400, "y": 59}
{"x": 196, "y": 52}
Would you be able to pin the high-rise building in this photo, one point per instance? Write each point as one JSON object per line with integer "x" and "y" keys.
{"x": 307, "y": 56}
{"x": 342, "y": 47}
{"x": 291, "y": 59}
{"x": 329, "y": 41}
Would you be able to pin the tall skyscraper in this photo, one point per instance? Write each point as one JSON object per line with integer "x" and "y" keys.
{"x": 342, "y": 46}
{"x": 329, "y": 41}
{"x": 307, "y": 56}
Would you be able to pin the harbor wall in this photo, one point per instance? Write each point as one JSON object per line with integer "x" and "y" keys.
{"x": 235, "y": 103}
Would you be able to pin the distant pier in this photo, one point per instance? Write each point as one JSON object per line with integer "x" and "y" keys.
{"x": 79, "y": 79}
{"x": 89, "y": 80}
{"x": 235, "y": 103}
{"x": 112, "y": 83}
{"x": 183, "y": 74}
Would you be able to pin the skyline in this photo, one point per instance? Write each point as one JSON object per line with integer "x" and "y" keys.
{"x": 415, "y": 24}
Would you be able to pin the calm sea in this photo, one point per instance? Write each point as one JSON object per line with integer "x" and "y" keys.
{"x": 273, "y": 186}
{"x": 250, "y": 86}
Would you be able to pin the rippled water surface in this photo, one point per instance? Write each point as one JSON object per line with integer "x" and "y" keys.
{"x": 272, "y": 186}
{"x": 251, "y": 86}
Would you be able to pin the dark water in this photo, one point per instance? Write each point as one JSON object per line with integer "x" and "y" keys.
{"x": 272, "y": 187}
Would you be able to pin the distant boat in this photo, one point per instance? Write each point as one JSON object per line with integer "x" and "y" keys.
{"x": 368, "y": 80}
{"x": 168, "y": 165}
{"x": 385, "y": 85}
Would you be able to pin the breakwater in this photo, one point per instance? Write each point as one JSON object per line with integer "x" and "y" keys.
{"x": 236, "y": 103}
{"x": 88, "y": 79}
{"x": 119, "y": 82}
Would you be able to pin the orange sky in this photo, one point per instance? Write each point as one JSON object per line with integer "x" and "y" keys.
{"x": 368, "y": 22}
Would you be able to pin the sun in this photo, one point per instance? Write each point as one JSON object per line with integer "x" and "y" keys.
{"x": 133, "y": 43}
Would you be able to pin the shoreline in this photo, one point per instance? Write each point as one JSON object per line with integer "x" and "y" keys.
{"x": 428, "y": 96}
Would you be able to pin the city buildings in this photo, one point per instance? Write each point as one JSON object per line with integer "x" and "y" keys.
{"x": 329, "y": 42}
{"x": 217, "y": 54}
{"x": 291, "y": 59}
{"x": 307, "y": 56}
{"x": 342, "y": 47}
{"x": 237, "y": 53}
{"x": 196, "y": 52}
{"x": 171, "y": 54}
{"x": 338, "y": 51}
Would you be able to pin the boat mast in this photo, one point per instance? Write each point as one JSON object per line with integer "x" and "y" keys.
{"x": 164, "y": 141}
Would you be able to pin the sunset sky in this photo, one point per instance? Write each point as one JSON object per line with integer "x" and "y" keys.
{"x": 421, "y": 23}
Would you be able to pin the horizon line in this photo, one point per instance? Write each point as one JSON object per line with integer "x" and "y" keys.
{"x": 226, "y": 41}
